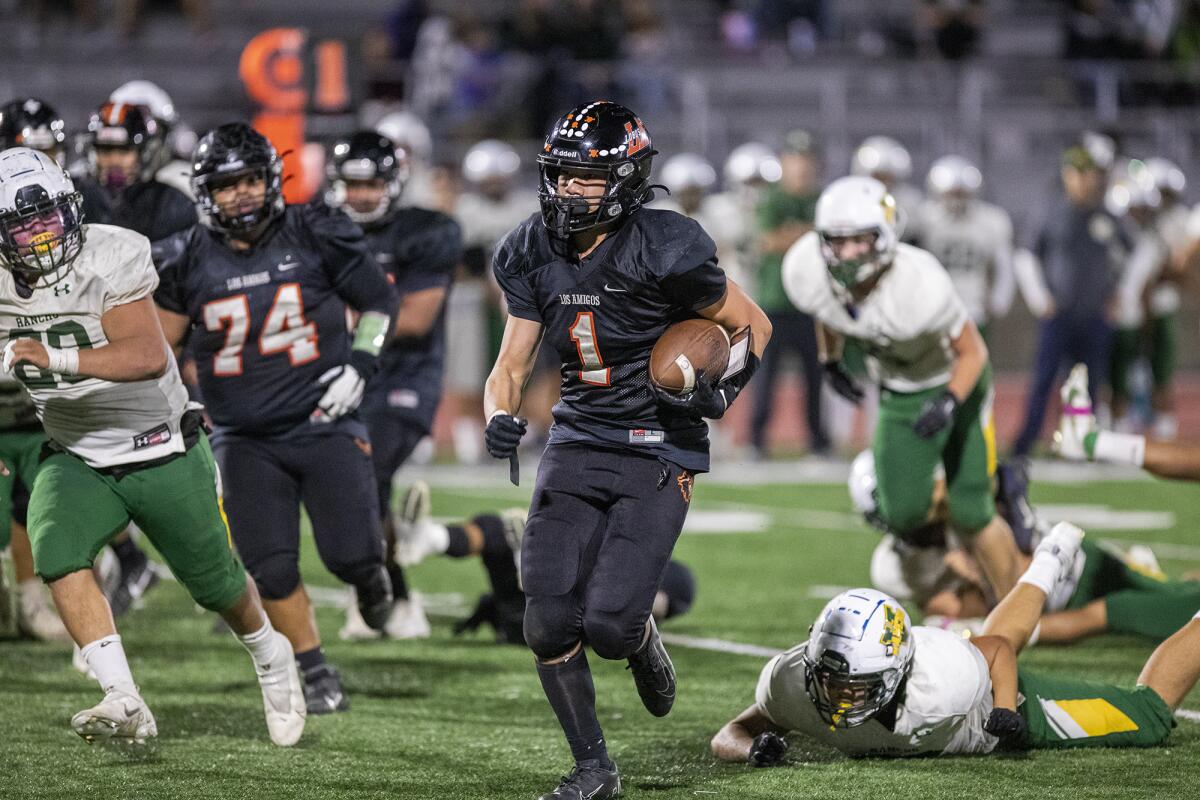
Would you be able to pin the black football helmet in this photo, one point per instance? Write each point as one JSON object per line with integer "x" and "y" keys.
{"x": 28, "y": 122}
{"x": 365, "y": 156}
{"x": 229, "y": 152}
{"x": 609, "y": 140}
{"x": 126, "y": 127}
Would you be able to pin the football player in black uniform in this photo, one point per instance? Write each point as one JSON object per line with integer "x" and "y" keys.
{"x": 124, "y": 150}
{"x": 28, "y": 122}
{"x": 418, "y": 249}
{"x": 602, "y": 278}
{"x": 264, "y": 288}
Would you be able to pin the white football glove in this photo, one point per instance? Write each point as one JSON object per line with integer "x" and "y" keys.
{"x": 344, "y": 394}
{"x": 1077, "y": 421}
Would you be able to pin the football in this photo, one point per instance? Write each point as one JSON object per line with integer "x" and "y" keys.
{"x": 685, "y": 349}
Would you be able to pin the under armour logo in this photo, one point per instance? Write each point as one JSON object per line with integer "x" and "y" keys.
{"x": 59, "y": 291}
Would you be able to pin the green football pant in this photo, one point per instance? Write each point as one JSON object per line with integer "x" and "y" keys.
{"x": 1061, "y": 712}
{"x": 1136, "y": 602}
{"x": 905, "y": 463}
{"x": 75, "y": 510}
{"x": 19, "y": 450}
{"x": 1127, "y": 343}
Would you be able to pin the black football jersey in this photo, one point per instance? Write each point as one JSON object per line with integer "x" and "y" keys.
{"x": 603, "y": 317}
{"x": 269, "y": 321}
{"x": 151, "y": 208}
{"x": 418, "y": 249}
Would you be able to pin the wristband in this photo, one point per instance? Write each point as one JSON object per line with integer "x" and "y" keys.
{"x": 63, "y": 361}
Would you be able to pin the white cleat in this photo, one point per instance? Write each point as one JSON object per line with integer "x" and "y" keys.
{"x": 417, "y": 535}
{"x": 1078, "y": 419}
{"x": 283, "y": 695}
{"x": 120, "y": 718}
{"x": 408, "y": 620}
{"x": 356, "y": 628}
{"x": 37, "y": 617}
{"x": 1062, "y": 542}
{"x": 514, "y": 532}
{"x": 1141, "y": 558}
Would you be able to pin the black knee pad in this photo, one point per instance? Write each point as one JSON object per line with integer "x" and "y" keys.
{"x": 613, "y": 635}
{"x": 276, "y": 576}
{"x": 551, "y": 625}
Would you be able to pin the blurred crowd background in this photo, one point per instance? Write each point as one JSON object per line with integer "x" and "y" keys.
{"x": 753, "y": 106}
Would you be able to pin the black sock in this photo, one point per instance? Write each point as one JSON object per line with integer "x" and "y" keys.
{"x": 311, "y": 660}
{"x": 128, "y": 553}
{"x": 497, "y": 559}
{"x": 460, "y": 545}
{"x": 399, "y": 585}
{"x": 572, "y": 695}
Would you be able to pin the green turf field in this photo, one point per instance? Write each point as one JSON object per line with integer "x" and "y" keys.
{"x": 464, "y": 718}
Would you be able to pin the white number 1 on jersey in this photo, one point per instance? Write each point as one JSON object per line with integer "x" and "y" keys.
{"x": 583, "y": 333}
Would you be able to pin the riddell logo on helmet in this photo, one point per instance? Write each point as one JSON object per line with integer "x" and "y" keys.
{"x": 561, "y": 153}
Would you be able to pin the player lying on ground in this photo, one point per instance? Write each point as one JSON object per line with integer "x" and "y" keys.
{"x": 891, "y": 307}
{"x": 603, "y": 279}
{"x": 80, "y": 331}
{"x": 869, "y": 685}
{"x": 1078, "y": 438}
{"x": 496, "y": 539}
{"x": 1107, "y": 591}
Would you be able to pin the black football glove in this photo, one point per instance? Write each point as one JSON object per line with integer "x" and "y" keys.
{"x": 1006, "y": 725}
{"x": 767, "y": 750}
{"x": 841, "y": 382}
{"x": 503, "y": 434}
{"x": 703, "y": 400}
{"x": 936, "y": 414}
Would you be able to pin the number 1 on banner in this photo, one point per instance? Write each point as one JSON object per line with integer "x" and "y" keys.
{"x": 583, "y": 333}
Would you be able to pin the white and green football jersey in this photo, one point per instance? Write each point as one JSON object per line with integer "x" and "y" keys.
{"x": 102, "y": 422}
{"x": 905, "y": 325}
{"x": 947, "y": 699}
{"x": 975, "y": 247}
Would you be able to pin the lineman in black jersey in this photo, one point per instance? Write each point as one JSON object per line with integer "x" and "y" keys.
{"x": 123, "y": 152}
{"x": 264, "y": 289}
{"x": 602, "y": 278}
{"x": 418, "y": 249}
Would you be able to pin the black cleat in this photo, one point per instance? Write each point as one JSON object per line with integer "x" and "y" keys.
{"x": 323, "y": 692}
{"x": 654, "y": 674}
{"x": 588, "y": 781}
{"x": 132, "y": 585}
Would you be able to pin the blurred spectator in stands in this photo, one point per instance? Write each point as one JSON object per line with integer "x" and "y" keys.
{"x": 1102, "y": 29}
{"x": 798, "y": 23}
{"x": 645, "y": 63}
{"x": 785, "y": 213}
{"x": 589, "y": 30}
{"x": 131, "y": 14}
{"x": 387, "y": 49}
{"x": 1081, "y": 249}
{"x": 949, "y": 28}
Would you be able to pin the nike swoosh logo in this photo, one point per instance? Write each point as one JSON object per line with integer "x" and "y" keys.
{"x": 287, "y": 265}
{"x": 608, "y": 288}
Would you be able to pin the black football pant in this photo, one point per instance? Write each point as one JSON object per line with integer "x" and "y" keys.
{"x": 393, "y": 439}
{"x": 264, "y": 483}
{"x": 600, "y": 532}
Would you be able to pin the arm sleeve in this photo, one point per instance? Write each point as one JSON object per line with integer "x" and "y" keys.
{"x": 352, "y": 270}
{"x": 518, "y": 293}
{"x": 170, "y": 259}
{"x": 131, "y": 275}
{"x": 762, "y": 693}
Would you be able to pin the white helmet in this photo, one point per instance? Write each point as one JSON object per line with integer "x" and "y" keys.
{"x": 1166, "y": 175}
{"x": 752, "y": 161}
{"x": 41, "y": 218}
{"x": 858, "y": 654}
{"x": 882, "y": 155}
{"x": 490, "y": 159}
{"x": 149, "y": 95}
{"x": 408, "y": 131}
{"x": 953, "y": 174}
{"x": 852, "y": 206}
{"x": 685, "y": 171}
